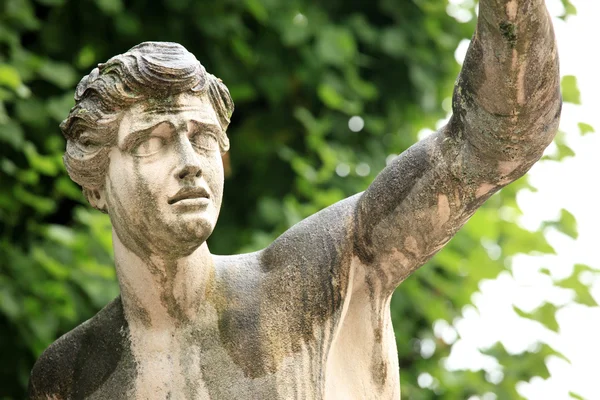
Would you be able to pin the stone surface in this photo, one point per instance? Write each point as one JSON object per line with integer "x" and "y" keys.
{"x": 307, "y": 317}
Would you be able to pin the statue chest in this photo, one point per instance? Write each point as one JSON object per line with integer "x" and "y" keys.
{"x": 240, "y": 353}
{"x": 207, "y": 363}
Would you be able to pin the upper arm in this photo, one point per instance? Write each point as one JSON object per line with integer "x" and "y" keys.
{"x": 51, "y": 376}
{"x": 91, "y": 357}
{"x": 417, "y": 203}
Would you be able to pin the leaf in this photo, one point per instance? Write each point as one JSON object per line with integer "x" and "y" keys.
{"x": 566, "y": 224}
{"x": 53, "y": 267}
{"x": 21, "y": 12}
{"x": 43, "y": 205}
{"x": 86, "y": 57}
{"x": 110, "y": 7}
{"x": 257, "y": 9}
{"x": 569, "y": 9}
{"x": 295, "y": 29}
{"x": 46, "y": 165}
{"x": 8, "y": 167}
{"x": 582, "y": 292}
{"x": 574, "y": 395}
{"x": 393, "y": 41}
{"x": 128, "y": 24}
{"x": 520, "y": 240}
{"x": 60, "y": 234}
{"x": 363, "y": 88}
{"x": 243, "y": 51}
{"x": 32, "y": 112}
{"x": 9, "y": 77}
{"x": 524, "y": 366}
{"x": 58, "y": 73}
{"x": 12, "y": 133}
{"x": 330, "y": 97}
{"x": 585, "y": 128}
{"x": 569, "y": 89}
{"x": 336, "y": 45}
{"x": 67, "y": 188}
{"x": 546, "y": 315}
{"x": 58, "y": 107}
{"x": 9, "y": 304}
{"x": 562, "y": 149}
{"x": 364, "y": 31}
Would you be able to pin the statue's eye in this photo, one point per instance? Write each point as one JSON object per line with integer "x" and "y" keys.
{"x": 204, "y": 142}
{"x": 149, "y": 146}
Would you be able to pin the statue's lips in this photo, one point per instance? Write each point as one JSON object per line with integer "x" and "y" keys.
{"x": 189, "y": 193}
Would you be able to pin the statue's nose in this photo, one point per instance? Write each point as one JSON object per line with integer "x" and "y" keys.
{"x": 189, "y": 163}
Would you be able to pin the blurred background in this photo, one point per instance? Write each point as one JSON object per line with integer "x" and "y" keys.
{"x": 326, "y": 93}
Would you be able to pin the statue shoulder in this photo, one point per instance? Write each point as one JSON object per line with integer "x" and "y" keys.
{"x": 79, "y": 359}
{"x": 321, "y": 239}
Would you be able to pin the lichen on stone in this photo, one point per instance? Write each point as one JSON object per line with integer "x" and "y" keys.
{"x": 509, "y": 32}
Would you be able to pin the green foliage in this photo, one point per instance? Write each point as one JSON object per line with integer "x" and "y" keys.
{"x": 582, "y": 292}
{"x": 585, "y": 128}
{"x": 562, "y": 148}
{"x": 297, "y": 70}
{"x": 544, "y": 314}
{"x": 569, "y": 89}
{"x": 569, "y": 9}
{"x": 565, "y": 224}
{"x": 523, "y": 365}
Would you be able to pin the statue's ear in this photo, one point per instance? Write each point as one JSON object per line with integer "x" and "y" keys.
{"x": 97, "y": 198}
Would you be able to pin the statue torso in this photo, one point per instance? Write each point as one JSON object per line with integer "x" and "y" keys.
{"x": 283, "y": 332}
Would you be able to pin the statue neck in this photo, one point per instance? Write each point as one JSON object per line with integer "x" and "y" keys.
{"x": 160, "y": 292}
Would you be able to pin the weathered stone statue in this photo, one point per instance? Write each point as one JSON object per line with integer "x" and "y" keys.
{"x": 307, "y": 317}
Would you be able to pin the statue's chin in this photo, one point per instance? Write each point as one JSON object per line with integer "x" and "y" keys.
{"x": 183, "y": 239}
{"x": 176, "y": 239}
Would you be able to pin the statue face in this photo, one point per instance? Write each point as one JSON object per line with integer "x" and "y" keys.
{"x": 164, "y": 185}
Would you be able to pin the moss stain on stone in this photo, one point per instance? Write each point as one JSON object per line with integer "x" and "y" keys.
{"x": 509, "y": 32}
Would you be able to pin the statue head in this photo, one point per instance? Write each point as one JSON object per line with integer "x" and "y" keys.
{"x": 144, "y": 141}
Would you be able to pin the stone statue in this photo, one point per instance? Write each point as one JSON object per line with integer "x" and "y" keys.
{"x": 307, "y": 317}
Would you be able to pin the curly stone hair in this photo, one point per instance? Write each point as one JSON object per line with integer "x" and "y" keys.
{"x": 150, "y": 70}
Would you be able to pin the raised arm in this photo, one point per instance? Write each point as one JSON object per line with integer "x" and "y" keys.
{"x": 506, "y": 107}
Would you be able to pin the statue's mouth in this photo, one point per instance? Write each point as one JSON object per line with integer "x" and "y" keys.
{"x": 189, "y": 193}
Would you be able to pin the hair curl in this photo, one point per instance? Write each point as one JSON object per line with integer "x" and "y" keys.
{"x": 148, "y": 70}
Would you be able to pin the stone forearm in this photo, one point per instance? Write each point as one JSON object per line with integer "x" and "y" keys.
{"x": 507, "y": 99}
